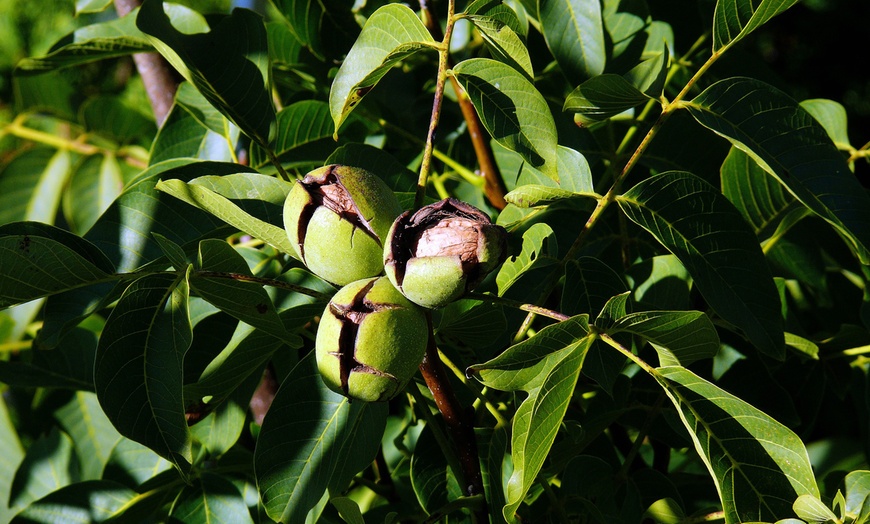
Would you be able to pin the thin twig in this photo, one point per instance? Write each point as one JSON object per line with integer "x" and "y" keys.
{"x": 457, "y": 421}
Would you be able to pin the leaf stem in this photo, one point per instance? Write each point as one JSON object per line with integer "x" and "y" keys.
{"x": 531, "y": 308}
{"x": 610, "y": 341}
{"x": 443, "y": 57}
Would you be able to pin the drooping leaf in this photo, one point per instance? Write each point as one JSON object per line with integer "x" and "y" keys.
{"x": 602, "y": 97}
{"x": 246, "y": 301}
{"x": 81, "y": 503}
{"x": 734, "y": 19}
{"x": 679, "y": 337}
{"x": 112, "y": 38}
{"x": 91, "y": 431}
{"x": 758, "y": 196}
{"x": 760, "y": 467}
{"x": 504, "y": 43}
{"x": 832, "y": 116}
{"x": 390, "y": 35}
{"x": 138, "y": 371}
{"x": 789, "y": 144}
{"x": 574, "y": 31}
{"x": 212, "y": 498}
{"x": 698, "y": 225}
{"x": 546, "y": 366}
{"x": 39, "y": 259}
{"x": 200, "y": 196}
{"x": 539, "y": 250}
{"x": 238, "y": 83}
{"x": 512, "y": 110}
{"x": 312, "y": 439}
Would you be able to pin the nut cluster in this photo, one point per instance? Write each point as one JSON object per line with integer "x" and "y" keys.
{"x": 346, "y": 226}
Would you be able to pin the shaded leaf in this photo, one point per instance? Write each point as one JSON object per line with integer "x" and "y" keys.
{"x": 91, "y": 431}
{"x": 138, "y": 371}
{"x": 39, "y": 259}
{"x": 391, "y": 34}
{"x": 473, "y": 323}
{"x": 679, "y": 337}
{"x": 132, "y": 464}
{"x": 237, "y": 84}
{"x": 504, "y": 43}
{"x": 589, "y": 283}
{"x": 734, "y": 19}
{"x": 304, "y": 135}
{"x": 212, "y": 498}
{"x": 602, "y": 97}
{"x": 32, "y": 183}
{"x": 760, "y": 466}
{"x": 512, "y": 110}
{"x": 661, "y": 282}
{"x": 574, "y": 31}
{"x": 312, "y": 440}
{"x": 546, "y": 366}
{"x": 790, "y": 145}
{"x": 49, "y": 465}
{"x": 95, "y": 183}
{"x": 761, "y": 200}
{"x": 10, "y": 459}
{"x": 615, "y": 308}
{"x": 698, "y": 225}
{"x": 85, "y": 503}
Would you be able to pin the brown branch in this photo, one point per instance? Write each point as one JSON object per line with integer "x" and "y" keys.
{"x": 157, "y": 75}
{"x": 494, "y": 187}
{"x": 457, "y": 420}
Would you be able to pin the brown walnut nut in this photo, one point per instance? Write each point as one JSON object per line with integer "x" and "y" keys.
{"x": 442, "y": 251}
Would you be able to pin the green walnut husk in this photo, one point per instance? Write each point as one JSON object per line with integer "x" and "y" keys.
{"x": 442, "y": 251}
{"x": 370, "y": 341}
{"x": 337, "y": 218}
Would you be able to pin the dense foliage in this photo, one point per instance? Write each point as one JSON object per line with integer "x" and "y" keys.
{"x": 679, "y": 333}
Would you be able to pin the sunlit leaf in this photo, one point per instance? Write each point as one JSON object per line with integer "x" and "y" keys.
{"x": 390, "y": 35}
{"x": 698, "y": 225}
{"x": 790, "y": 145}
{"x": 132, "y": 464}
{"x": 95, "y": 183}
{"x": 759, "y": 197}
{"x": 734, "y": 19}
{"x": 312, "y": 439}
{"x": 760, "y": 466}
{"x": 91, "y": 431}
{"x": 304, "y": 136}
{"x": 49, "y": 464}
{"x": 832, "y": 116}
{"x": 539, "y": 250}
{"x": 546, "y": 366}
{"x": 81, "y": 503}
{"x": 211, "y": 498}
{"x": 11, "y": 457}
{"x": 138, "y": 371}
{"x": 574, "y": 31}
{"x": 514, "y": 113}
{"x": 504, "y": 42}
{"x": 602, "y": 97}
{"x": 679, "y": 337}
{"x": 236, "y": 84}
{"x": 32, "y": 183}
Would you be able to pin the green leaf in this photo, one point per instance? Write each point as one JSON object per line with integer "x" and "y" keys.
{"x": 348, "y": 509}
{"x": 173, "y": 252}
{"x": 575, "y": 180}
{"x": 761, "y": 200}
{"x": 11, "y": 457}
{"x": 431, "y": 476}
{"x": 31, "y": 185}
{"x": 661, "y": 282}
{"x": 390, "y": 35}
{"x": 679, "y": 337}
{"x": 91, "y": 6}
{"x": 734, "y": 19}
{"x": 212, "y": 498}
{"x": 220, "y": 430}
{"x": 312, "y": 440}
{"x": 304, "y": 136}
{"x": 113, "y": 38}
{"x": 124, "y": 231}
{"x": 602, "y": 97}
{"x": 138, "y": 371}
{"x": 615, "y": 308}
{"x": 473, "y": 323}
{"x": 832, "y": 116}
{"x": 698, "y": 225}
{"x": 39, "y": 260}
{"x": 650, "y": 75}
{"x": 574, "y": 31}
{"x": 49, "y": 464}
{"x": 533, "y": 195}
{"x": 82, "y": 503}
{"x": 374, "y": 160}
{"x": 503, "y": 43}
{"x": 95, "y": 183}
{"x": 91, "y": 432}
{"x": 539, "y": 250}
{"x": 246, "y": 301}
{"x": 790, "y": 145}
{"x": 811, "y": 509}
{"x": 760, "y": 467}
{"x": 589, "y": 284}
{"x": 546, "y": 366}
{"x": 118, "y": 119}
{"x": 132, "y": 464}
{"x": 512, "y": 110}
{"x": 237, "y": 84}
{"x": 194, "y": 129}
{"x": 199, "y": 195}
